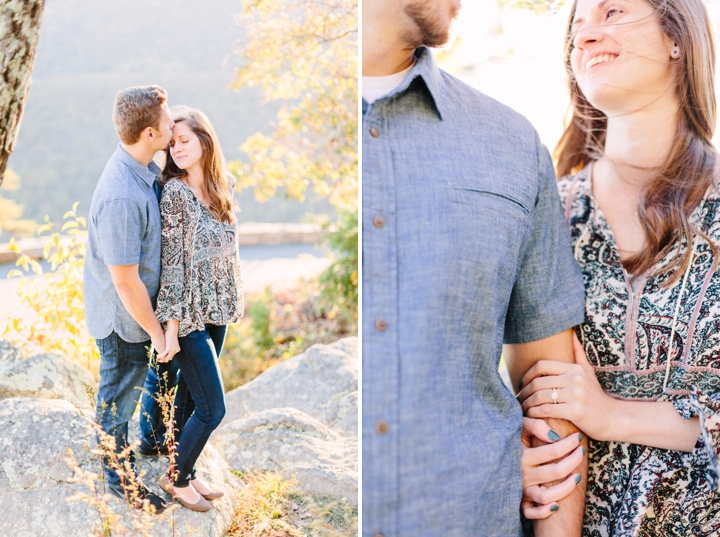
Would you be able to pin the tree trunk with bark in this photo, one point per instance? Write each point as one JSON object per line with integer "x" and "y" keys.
{"x": 19, "y": 34}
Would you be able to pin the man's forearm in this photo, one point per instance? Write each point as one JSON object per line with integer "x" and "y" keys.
{"x": 567, "y": 521}
{"x": 136, "y": 300}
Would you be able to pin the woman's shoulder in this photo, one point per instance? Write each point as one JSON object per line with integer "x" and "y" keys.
{"x": 231, "y": 181}
{"x": 571, "y": 184}
{"x": 175, "y": 189}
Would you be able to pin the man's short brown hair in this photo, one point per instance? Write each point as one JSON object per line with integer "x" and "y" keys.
{"x": 137, "y": 108}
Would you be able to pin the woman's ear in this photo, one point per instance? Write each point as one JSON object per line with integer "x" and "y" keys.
{"x": 675, "y": 51}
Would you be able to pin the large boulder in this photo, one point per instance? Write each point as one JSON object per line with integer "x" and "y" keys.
{"x": 38, "y": 440}
{"x": 322, "y": 382}
{"x": 44, "y": 376}
{"x": 300, "y": 418}
{"x": 288, "y": 440}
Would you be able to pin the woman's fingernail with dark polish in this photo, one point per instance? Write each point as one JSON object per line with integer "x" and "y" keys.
{"x": 584, "y": 451}
{"x": 552, "y": 435}
{"x": 577, "y": 479}
{"x": 554, "y": 508}
{"x": 580, "y": 437}
{"x": 520, "y": 385}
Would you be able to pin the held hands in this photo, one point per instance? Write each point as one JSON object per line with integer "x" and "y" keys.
{"x": 540, "y": 501}
{"x": 580, "y": 398}
{"x": 158, "y": 342}
{"x": 172, "y": 346}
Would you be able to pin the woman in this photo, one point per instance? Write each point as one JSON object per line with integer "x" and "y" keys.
{"x": 200, "y": 290}
{"x": 641, "y": 199}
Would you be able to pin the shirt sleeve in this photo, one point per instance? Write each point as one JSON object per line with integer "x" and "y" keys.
{"x": 172, "y": 299}
{"x": 549, "y": 295}
{"x": 121, "y": 224}
{"x": 707, "y": 408}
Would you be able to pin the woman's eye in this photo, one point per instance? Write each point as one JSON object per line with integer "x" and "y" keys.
{"x": 611, "y": 11}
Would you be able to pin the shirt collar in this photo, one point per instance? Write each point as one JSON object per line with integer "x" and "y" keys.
{"x": 425, "y": 68}
{"x": 149, "y": 174}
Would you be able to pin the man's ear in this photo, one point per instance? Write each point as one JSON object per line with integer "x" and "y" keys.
{"x": 147, "y": 134}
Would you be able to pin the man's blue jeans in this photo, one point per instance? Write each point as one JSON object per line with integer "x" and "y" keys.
{"x": 123, "y": 371}
{"x": 123, "y": 368}
{"x": 161, "y": 378}
{"x": 200, "y": 400}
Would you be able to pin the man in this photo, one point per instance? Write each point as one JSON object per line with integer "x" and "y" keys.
{"x": 122, "y": 273}
{"x": 464, "y": 248}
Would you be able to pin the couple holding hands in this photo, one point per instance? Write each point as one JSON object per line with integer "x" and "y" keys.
{"x": 162, "y": 269}
{"x": 601, "y": 288}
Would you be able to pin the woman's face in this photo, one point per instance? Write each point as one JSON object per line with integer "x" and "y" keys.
{"x": 621, "y": 56}
{"x": 185, "y": 147}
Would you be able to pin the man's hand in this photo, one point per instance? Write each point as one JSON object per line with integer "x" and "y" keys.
{"x": 158, "y": 343}
{"x": 172, "y": 346}
{"x": 545, "y": 464}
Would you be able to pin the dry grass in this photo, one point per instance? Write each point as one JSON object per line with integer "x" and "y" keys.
{"x": 277, "y": 326}
{"x": 272, "y": 506}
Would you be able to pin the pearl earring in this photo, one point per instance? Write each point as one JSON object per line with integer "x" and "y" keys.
{"x": 675, "y": 53}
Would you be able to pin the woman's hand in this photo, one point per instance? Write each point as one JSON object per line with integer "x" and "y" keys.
{"x": 539, "y": 501}
{"x": 172, "y": 346}
{"x": 580, "y": 398}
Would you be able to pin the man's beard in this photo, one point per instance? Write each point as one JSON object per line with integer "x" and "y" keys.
{"x": 430, "y": 29}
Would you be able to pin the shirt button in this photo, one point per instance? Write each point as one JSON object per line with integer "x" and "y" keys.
{"x": 378, "y": 535}
{"x": 382, "y": 427}
{"x": 379, "y": 222}
{"x": 374, "y": 132}
{"x": 381, "y": 325}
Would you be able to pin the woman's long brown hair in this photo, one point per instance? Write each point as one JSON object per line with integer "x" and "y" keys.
{"x": 681, "y": 181}
{"x": 213, "y": 162}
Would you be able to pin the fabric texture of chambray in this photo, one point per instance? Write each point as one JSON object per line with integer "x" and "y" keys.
{"x": 464, "y": 248}
{"x": 123, "y": 229}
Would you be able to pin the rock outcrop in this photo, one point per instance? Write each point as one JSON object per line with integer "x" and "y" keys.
{"x": 322, "y": 382}
{"x": 45, "y": 444}
{"x": 301, "y": 418}
{"x": 44, "y": 376}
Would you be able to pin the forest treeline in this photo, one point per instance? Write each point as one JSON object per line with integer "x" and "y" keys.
{"x": 87, "y": 51}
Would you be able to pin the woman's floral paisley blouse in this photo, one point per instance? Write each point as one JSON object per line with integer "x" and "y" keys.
{"x": 200, "y": 281}
{"x": 632, "y": 489}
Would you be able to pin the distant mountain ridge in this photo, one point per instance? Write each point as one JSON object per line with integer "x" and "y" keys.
{"x": 88, "y": 51}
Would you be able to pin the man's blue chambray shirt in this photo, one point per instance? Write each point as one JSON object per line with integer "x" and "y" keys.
{"x": 123, "y": 229}
{"x": 464, "y": 247}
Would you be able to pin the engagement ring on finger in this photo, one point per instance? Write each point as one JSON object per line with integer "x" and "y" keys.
{"x": 554, "y": 396}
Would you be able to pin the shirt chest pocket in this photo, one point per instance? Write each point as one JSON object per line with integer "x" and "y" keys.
{"x": 486, "y": 229}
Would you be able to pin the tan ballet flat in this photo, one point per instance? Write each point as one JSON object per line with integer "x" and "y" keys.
{"x": 214, "y": 493}
{"x": 201, "y": 506}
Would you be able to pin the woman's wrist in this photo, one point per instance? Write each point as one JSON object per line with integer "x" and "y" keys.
{"x": 172, "y": 327}
{"x": 618, "y": 420}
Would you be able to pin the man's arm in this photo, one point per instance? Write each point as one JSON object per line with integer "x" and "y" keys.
{"x": 135, "y": 298}
{"x": 567, "y": 521}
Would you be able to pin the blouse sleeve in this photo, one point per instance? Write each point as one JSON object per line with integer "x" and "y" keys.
{"x": 707, "y": 408}
{"x": 236, "y": 260}
{"x": 171, "y": 302}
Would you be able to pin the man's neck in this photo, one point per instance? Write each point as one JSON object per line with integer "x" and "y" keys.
{"x": 383, "y": 53}
{"x": 139, "y": 152}
{"x": 387, "y": 64}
